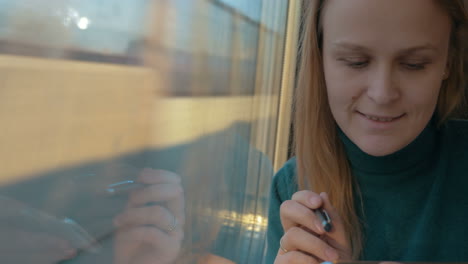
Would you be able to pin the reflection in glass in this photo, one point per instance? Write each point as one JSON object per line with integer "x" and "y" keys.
{"x": 174, "y": 102}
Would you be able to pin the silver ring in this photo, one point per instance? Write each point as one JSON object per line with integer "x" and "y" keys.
{"x": 173, "y": 225}
{"x": 281, "y": 246}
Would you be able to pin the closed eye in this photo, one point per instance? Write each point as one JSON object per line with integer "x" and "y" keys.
{"x": 358, "y": 64}
{"x": 355, "y": 63}
{"x": 414, "y": 66}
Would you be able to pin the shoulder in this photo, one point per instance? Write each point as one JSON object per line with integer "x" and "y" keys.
{"x": 458, "y": 127}
{"x": 456, "y": 135}
{"x": 454, "y": 145}
{"x": 454, "y": 153}
{"x": 285, "y": 180}
{"x": 283, "y": 187}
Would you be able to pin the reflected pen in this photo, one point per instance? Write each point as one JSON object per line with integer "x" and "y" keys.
{"x": 123, "y": 187}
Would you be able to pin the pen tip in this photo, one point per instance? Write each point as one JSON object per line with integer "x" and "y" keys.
{"x": 327, "y": 227}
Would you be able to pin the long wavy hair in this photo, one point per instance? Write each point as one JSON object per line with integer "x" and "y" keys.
{"x": 321, "y": 161}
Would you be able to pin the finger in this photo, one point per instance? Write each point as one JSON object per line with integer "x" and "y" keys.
{"x": 297, "y": 239}
{"x": 146, "y": 245}
{"x": 177, "y": 207}
{"x": 293, "y": 214}
{"x": 309, "y": 199}
{"x": 42, "y": 240}
{"x": 149, "y": 235}
{"x": 46, "y": 245}
{"x": 312, "y": 201}
{"x": 155, "y": 193}
{"x": 157, "y": 216}
{"x": 152, "y": 176}
{"x": 294, "y": 257}
{"x": 337, "y": 236}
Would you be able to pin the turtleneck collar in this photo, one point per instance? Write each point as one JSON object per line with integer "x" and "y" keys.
{"x": 418, "y": 153}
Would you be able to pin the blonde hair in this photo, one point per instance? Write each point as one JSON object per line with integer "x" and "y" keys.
{"x": 321, "y": 161}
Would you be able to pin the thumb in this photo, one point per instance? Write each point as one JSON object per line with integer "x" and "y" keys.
{"x": 337, "y": 237}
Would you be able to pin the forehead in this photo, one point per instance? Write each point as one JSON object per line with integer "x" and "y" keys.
{"x": 386, "y": 23}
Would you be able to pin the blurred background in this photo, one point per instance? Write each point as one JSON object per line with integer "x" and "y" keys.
{"x": 93, "y": 91}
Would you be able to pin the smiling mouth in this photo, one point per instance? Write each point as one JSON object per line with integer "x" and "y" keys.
{"x": 384, "y": 119}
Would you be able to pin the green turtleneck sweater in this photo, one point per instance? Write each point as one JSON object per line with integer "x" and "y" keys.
{"x": 414, "y": 201}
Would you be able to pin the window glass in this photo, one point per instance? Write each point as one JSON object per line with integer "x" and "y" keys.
{"x": 138, "y": 130}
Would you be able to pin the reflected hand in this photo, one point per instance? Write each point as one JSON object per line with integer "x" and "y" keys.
{"x": 150, "y": 230}
{"x": 20, "y": 243}
{"x": 18, "y": 246}
{"x": 305, "y": 240}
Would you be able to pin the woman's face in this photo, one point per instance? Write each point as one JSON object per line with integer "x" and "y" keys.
{"x": 384, "y": 63}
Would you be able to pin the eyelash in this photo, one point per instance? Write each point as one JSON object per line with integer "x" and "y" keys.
{"x": 415, "y": 66}
{"x": 409, "y": 66}
{"x": 357, "y": 64}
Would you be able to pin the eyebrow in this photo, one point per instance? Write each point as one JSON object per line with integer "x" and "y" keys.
{"x": 359, "y": 48}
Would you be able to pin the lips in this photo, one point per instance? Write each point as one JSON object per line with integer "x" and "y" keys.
{"x": 382, "y": 118}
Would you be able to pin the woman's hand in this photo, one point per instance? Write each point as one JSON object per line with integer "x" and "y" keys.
{"x": 25, "y": 237}
{"x": 20, "y": 246}
{"x": 150, "y": 230}
{"x": 305, "y": 240}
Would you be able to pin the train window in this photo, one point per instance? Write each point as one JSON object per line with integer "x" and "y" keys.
{"x": 142, "y": 131}
{"x": 149, "y": 131}
{"x": 74, "y": 30}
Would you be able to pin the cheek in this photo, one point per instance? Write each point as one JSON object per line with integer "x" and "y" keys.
{"x": 343, "y": 86}
{"x": 422, "y": 94}
{"x": 342, "y": 92}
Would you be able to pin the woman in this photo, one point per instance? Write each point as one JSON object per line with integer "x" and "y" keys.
{"x": 374, "y": 145}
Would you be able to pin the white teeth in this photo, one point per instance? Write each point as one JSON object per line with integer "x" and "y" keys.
{"x": 379, "y": 119}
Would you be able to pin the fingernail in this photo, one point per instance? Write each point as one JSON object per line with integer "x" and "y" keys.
{"x": 315, "y": 201}
{"x": 324, "y": 195}
{"x": 331, "y": 254}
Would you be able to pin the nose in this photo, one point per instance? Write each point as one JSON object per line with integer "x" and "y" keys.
{"x": 383, "y": 88}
